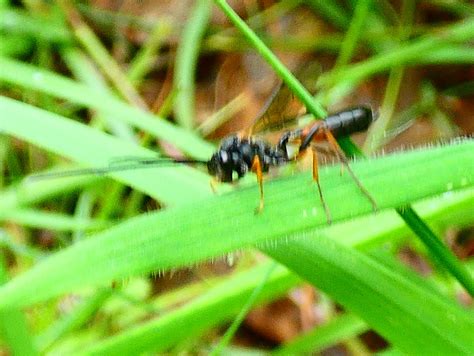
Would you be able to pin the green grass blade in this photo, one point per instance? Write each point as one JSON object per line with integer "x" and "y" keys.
{"x": 83, "y": 69}
{"x": 50, "y": 221}
{"x": 220, "y": 302}
{"x": 386, "y": 300}
{"x": 331, "y": 11}
{"x": 101, "y": 56}
{"x": 73, "y": 320}
{"x": 173, "y": 185}
{"x": 327, "y": 334}
{"x": 18, "y": 249}
{"x": 13, "y": 325}
{"x": 453, "y": 54}
{"x": 151, "y": 242}
{"x": 246, "y": 308}
{"x": 453, "y": 209}
{"x": 341, "y": 327}
{"x": 459, "y": 32}
{"x": 144, "y": 60}
{"x": 25, "y": 193}
{"x": 354, "y": 32}
{"x": 186, "y": 60}
{"x": 31, "y": 77}
{"x": 11, "y": 46}
{"x": 437, "y": 249}
{"x": 42, "y": 29}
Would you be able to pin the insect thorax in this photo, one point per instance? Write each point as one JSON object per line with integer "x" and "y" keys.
{"x": 235, "y": 157}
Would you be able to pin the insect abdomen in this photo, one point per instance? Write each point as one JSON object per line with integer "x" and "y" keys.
{"x": 349, "y": 121}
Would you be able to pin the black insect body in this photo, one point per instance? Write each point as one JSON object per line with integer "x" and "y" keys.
{"x": 239, "y": 155}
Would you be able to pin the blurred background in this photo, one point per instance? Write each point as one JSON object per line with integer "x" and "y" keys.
{"x": 411, "y": 61}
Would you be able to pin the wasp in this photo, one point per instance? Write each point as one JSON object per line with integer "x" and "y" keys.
{"x": 240, "y": 154}
{"x": 246, "y": 152}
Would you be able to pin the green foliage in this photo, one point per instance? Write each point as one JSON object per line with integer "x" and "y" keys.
{"x": 352, "y": 261}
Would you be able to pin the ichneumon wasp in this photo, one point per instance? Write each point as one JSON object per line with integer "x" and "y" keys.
{"x": 246, "y": 152}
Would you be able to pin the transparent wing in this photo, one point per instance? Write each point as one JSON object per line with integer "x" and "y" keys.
{"x": 283, "y": 108}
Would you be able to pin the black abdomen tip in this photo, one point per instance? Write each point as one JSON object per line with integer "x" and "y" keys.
{"x": 349, "y": 121}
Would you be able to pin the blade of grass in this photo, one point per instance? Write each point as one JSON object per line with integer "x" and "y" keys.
{"x": 143, "y": 61}
{"x": 330, "y": 11}
{"x": 173, "y": 185}
{"x": 18, "y": 249}
{"x": 449, "y": 54}
{"x": 113, "y": 18}
{"x": 459, "y": 32}
{"x": 186, "y": 60}
{"x": 50, "y": 221}
{"x": 198, "y": 317}
{"x": 25, "y": 193}
{"x": 379, "y": 128}
{"x": 101, "y": 56}
{"x": 198, "y": 313}
{"x": 251, "y": 300}
{"x": 45, "y": 29}
{"x": 223, "y": 114}
{"x": 220, "y": 302}
{"x": 353, "y": 33}
{"x": 437, "y": 249}
{"x": 13, "y": 324}
{"x": 431, "y": 325}
{"x": 73, "y": 320}
{"x": 443, "y": 212}
{"x": 339, "y": 328}
{"x": 291, "y": 208}
{"x": 31, "y": 77}
{"x": 83, "y": 69}
{"x": 14, "y": 46}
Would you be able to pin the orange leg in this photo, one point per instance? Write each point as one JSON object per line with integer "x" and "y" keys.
{"x": 328, "y": 152}
{"x": 342, "y": 157}
{"x": 213, "y": 183}
{"x": 257, "y": 169}
{"x": 316, "y": 179}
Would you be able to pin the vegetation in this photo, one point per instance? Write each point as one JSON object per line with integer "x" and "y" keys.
{"x": 151, "y": 260}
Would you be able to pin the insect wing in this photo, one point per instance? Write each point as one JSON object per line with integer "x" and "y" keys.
{"x": 282, "y": 109}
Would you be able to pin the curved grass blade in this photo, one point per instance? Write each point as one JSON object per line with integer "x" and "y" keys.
{"x": 220, "y": 302}
{"x": 178, "y": 237}
{"x": 386, "y": 300}
{"x": 197, "y": 314}
{"x": 186, "y": 60}
{"x": 172, "y": 185}
{"x": 31, "y": 77}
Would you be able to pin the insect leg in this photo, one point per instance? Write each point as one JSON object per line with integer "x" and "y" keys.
{"x": 316, "y": 179}
{"x": 213, "y": 183}
{"x": 342, "y": 157}
{"x": 328, "y": 152}
{"x": 257, "y": 169}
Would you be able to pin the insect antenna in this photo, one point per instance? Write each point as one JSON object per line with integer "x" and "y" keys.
{"x": 117, "y": 165}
